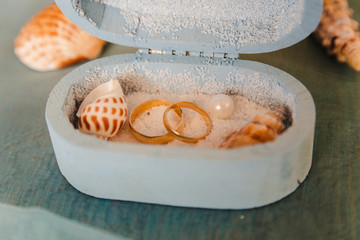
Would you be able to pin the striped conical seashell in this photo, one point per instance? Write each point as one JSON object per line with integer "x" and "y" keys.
{"x": 105, "y": 115}
{"x": 51, "y": 41}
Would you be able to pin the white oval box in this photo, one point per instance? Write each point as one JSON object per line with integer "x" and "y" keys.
{"x": 238, "y": 178}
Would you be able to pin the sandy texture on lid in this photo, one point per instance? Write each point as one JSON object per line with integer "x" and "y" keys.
{"x": 227, "y": 22}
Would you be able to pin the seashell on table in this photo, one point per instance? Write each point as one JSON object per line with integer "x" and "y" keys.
{"x": 51, "y": 41}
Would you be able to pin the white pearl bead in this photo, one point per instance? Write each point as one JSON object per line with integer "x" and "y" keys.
{"x": 221, "y": 106}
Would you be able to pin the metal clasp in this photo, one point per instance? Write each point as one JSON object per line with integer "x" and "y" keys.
{"x": 189, "y": 53}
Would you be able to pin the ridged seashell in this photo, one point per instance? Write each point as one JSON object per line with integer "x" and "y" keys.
{"x": 51, "y": 41}
{"x": 263, "y": 128}
{"x": 105, "y": 115}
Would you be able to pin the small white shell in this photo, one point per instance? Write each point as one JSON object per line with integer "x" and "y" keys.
{"x": 103, "y": 112}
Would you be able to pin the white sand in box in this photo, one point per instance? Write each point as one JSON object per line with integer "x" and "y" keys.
{"x": 151, "y": 122}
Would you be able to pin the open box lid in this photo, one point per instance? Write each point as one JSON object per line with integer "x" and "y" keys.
{"x": 216, "y": 26}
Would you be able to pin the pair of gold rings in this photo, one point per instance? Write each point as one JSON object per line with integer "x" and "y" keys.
{"x": 172, "y": 132}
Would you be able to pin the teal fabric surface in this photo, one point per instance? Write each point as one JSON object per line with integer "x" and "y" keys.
{"x": 325, "y": 206}
{"x": 18, "y": 223}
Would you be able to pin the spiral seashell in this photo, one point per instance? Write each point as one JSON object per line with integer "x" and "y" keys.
{"x": 263, "y": 128}
{"x": 51, "y": 41}
{"x": 107, "y": 114}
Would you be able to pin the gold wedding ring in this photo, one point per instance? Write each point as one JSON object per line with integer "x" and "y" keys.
{"x": 175, "y": 132}
{"x": 161, "y": 139}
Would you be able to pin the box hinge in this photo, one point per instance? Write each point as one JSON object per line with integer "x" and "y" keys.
{"x": 188, "y": 53}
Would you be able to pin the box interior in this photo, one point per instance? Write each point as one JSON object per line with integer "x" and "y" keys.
{"x": 262, "y": 88}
